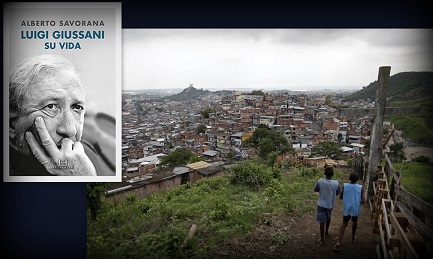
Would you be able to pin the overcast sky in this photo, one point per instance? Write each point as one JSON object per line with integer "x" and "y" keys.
{"x": 293, "y": 59}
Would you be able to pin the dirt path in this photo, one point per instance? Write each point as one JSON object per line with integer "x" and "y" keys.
{"x": 303, "y": 236}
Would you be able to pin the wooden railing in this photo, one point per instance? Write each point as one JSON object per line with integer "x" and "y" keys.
{"x": 394, "y": 214}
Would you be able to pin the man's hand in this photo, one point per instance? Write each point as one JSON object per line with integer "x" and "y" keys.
{"x": 70, "y": 159}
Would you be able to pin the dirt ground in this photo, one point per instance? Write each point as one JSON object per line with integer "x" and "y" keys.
{"x": 303, "y": 238}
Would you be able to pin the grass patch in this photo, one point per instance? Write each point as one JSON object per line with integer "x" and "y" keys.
{"x": 417, "y": 179}
{"x": 156, "y": 226}
{"x": 416, "y": 127}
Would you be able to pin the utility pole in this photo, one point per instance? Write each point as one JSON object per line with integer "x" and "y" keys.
{"x": 377, "y": 132}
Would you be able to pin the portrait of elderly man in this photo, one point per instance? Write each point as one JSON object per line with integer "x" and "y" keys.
{"x": 47, "y": 118}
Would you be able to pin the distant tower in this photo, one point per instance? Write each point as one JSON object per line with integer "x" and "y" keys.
{"x": 190, "y": 85}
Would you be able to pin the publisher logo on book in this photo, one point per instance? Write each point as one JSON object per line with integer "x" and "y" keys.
{"x": 63, "y": 164}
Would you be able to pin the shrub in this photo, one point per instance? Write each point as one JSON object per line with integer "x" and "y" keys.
{"x": 422, "y": 159}
{"x": 250, "y": 173}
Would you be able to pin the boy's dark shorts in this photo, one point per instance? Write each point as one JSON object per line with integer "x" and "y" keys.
{"x": 347, "y": 218}
{"x": 323, "y": 214}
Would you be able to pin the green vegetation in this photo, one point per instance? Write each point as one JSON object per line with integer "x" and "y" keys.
{"x": 417, "y": 179}
{"x": 257, "y": 92}
{"x": 189, "y": 93}
{"x": 156, "y": 226}
{"x": 93, "y": 197}
{"x": 178, "y": 157}
{"x": 328, "y": 149}
{"x": 206, "y": 112}
{"x": 407, "y": 89}
{"x": 267, "y": 141}
{"x": 423, "y": 160}
{"x": 252, "y": 174}
{"x": 201, "y": 128}
{"x": 416, "y": 127}
{"x": 328, "y": 100}
{"x": 397, "y": 153}
{"x": 402, "y": 86}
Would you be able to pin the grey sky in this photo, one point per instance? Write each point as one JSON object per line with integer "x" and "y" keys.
{"x": 294, "y": 59}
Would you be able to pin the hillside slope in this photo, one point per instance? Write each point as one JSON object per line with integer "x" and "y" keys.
{"x": 407, "y": 89}
{"x": 402, "y": 86}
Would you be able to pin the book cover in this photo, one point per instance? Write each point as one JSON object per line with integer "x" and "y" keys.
{"x": 62, "y": 88}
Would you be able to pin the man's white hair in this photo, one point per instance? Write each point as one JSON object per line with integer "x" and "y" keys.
{"x": 31, "y": 71}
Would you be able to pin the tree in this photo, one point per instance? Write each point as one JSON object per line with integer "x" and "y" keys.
{"x": 265, "y": 147}
{"x": 267, "y": 141}
{"x": 94, "y": 192}
{"x": 328, "y": 149}
{"x": 206, "y": 112}
{"x": 230, "y": 155}
{"x": 201, "y": 128}
{"x": 178, "y": 157}
{"x": 340, "y": 137}
{"x": 328, "y": 100}
{"x": 282, "y": 144}
{"x": 397, "y": 152}
{"x": 258, "y": 135}
{"x": 263, "y": 126}
{"x": 272, "y": 158}
{"x": 258, "y": 92}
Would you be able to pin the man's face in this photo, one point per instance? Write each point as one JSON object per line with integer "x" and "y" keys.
{"x": 59, "y": 100}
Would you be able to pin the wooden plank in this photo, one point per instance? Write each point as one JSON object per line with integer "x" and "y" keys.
{"x": 383, "y": 191}
{"x": 391, "y": 169}
{"x": 388, "y": 138}
{"x": 425, "y": 232}
{"x": 386, "y": 223}
{"x": 406, "y": 247}
{"x": 382, "y": 239}
{"x": 421, "y": 205}
{"x": 378, "y": 252}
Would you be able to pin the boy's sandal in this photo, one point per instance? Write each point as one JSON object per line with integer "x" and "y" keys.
{"x": 337, "y": 247}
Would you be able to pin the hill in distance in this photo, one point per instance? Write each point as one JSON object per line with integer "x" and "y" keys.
{"x": 188, "y": 93}
{"x": 407, "y": 89}
{"x": 402, "y": 86}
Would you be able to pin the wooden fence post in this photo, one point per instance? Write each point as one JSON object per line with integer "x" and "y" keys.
{"x": 377, "y": 132}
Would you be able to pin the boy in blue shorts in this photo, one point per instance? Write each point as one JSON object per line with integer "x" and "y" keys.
{"x": 328, "y": 189}
{"x": 352, "y": 195}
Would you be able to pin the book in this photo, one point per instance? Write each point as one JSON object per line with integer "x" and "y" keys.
{"x": 62, "y": 67}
